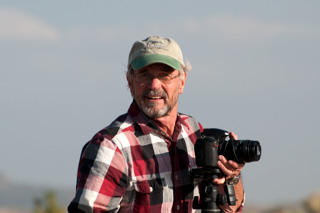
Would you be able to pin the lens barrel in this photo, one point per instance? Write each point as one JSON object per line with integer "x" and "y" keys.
{"x": 241, "y": 151}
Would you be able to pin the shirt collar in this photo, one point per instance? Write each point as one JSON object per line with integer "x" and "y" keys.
{"x": 148, "y": 125}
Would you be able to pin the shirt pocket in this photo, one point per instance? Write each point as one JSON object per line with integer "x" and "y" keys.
{"x": 148, "y": 193}
{"x": 148, "y": 187}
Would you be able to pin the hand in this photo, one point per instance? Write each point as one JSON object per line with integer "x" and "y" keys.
{"x": 229, "y": 167}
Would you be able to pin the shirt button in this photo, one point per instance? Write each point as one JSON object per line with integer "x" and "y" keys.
{"x": 177, "y": 177}
{"x": 178, "y": 207}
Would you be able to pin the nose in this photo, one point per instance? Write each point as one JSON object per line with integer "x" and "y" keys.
{"x": 154, "y": 83}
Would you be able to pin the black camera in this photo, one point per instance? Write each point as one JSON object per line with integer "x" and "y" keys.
{"x": 207, "y": 148}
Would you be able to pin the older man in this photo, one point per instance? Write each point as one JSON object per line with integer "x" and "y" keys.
{"x": 141, "y": 162}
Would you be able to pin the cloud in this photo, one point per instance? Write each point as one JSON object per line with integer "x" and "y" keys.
{"x": 250, "y": 28}
{"x": 99, "y": 35}
{"x": 17, "y": 25}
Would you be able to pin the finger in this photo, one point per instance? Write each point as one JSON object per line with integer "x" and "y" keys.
{"x": 235, "y": 165}
{"x": 233, "y": 136}
{"x": 223, "y": 159}
{"x": 229, "y": 164}
{"x": 219, "y": 180}
{"x": 229, "y": 168}
{"x": 226, "y": 171}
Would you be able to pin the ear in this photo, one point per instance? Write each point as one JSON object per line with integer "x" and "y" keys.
{"x": 129, "y": 80}
{"x": 182, "y": 82}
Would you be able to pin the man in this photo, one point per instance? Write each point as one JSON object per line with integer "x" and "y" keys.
{"x": 141, "y": 162}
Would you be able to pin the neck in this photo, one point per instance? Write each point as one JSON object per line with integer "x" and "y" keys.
{"x": 168, "y": 122}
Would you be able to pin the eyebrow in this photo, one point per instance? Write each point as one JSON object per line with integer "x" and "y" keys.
{"x": 141, "y": 71}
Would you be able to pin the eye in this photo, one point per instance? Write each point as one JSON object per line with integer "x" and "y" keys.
{"x": 166, "y": 68}
{"x": 143, "y": 76}
{"x": 140, "y": 72}
{"x": 165, "y": 78}
{"x": 163, "y": 75}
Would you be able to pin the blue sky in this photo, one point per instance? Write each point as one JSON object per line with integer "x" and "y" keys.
{"x": 255, "y": 72}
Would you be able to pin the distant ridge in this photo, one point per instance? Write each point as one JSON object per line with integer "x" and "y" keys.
{"x": 18, "y": 197}
{"x": 22, "y": 195}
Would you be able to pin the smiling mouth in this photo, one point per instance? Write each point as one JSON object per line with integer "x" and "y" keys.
{"x": 154, "y": 97}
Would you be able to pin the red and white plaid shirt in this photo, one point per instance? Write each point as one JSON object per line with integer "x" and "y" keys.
{"x": 133, "y": 166}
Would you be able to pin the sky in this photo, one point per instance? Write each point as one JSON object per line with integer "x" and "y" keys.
{"x": 255, "y": 72}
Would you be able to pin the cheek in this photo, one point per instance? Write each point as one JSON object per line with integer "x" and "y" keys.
{"x": 136, "y": 89}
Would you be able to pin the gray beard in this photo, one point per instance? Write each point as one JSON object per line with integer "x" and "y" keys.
{"x": 153, "y": 113}
{"x": 149, "y": 109}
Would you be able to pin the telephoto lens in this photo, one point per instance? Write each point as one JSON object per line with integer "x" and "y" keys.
{"x": 241, "y": 151}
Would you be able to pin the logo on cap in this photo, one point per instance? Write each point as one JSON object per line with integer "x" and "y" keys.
{"x": 157, "y": 44}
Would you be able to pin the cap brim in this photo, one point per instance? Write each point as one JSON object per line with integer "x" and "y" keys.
{"x": 155, "y": 58}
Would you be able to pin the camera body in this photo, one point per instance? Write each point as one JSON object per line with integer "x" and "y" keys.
{"x": 208, "y": 147}
{"x": 212, "y": 143}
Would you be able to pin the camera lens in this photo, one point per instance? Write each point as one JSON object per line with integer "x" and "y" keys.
{"x": 241, "y": 151}
{"x": 248, "y": 150}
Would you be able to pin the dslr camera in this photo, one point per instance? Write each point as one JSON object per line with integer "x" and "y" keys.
{"x": 207, "y": 148}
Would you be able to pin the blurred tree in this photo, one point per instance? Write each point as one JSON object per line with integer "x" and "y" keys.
{"x": 47, "y": 204}
{"x": 313, "y": 203}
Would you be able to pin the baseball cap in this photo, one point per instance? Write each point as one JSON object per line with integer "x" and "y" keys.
{"x": 155, "y": 49}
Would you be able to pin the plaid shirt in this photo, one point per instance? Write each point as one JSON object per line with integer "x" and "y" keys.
{"x": 133, "y": 166}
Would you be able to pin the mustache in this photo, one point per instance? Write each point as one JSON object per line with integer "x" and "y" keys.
{"x": 153, "y": 92}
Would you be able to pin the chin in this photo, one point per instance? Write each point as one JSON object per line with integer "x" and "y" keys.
{"x": 155, "y": 113}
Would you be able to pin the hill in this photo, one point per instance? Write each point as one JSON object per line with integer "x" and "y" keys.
{"x": 20, "y": 197}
